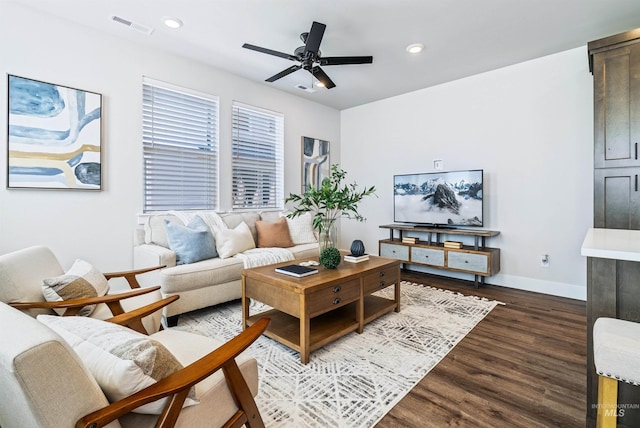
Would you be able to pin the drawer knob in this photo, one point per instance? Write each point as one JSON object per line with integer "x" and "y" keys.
{"x": 337, "y": 289}
{"x": 382, "y": 283}
{"x": 382, "y": 273}
{"x": 336, "y": 300}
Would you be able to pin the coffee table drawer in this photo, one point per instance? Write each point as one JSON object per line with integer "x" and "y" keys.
{"x": 330, "y": 298}
{"x": 380, "y": 279}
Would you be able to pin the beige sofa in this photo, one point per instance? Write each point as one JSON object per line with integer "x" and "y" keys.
{"x": 212, "y": 281}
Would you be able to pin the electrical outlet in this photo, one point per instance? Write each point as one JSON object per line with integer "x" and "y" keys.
{"x": 544, "y": 260}
{"x": 438, "y": 164}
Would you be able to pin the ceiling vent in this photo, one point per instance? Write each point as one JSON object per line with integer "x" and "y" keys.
{"x": 304, "y": 88}
{"x": 133, "y": 25}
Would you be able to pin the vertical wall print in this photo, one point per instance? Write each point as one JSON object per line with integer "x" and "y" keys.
{"x": 54, "y": 136}
{"x": 315, "y": 162}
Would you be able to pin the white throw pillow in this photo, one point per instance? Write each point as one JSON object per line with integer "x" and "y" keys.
{"x": 301, "y": 229}
{"x": 79, "y": 282}
{"x": 230, "y": 242}
{"x": 121, "y": 360}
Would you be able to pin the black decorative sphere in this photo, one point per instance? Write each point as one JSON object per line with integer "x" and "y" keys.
{"x": 330, "y": 257}
{"x": 357, "y": 248}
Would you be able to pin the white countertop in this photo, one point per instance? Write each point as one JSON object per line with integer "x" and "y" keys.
{"x": 619, "y": 244}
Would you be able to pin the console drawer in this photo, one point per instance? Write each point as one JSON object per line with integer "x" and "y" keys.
{"x": 427, "y": 256}
{"x": 394, "y": 251}
{"x": 379, "y": 280}
{"x": 468, "y": 261}
{"x": 333, "y": 297}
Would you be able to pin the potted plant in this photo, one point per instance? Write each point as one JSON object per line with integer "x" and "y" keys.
{"x": 328, "y": 203}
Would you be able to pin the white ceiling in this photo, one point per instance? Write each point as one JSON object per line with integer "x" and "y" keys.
{"x": 461, "y": 37}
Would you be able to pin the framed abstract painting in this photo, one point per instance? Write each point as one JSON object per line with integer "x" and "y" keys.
{"x": 54, "y": 136}
{"x": 315, "y": 162}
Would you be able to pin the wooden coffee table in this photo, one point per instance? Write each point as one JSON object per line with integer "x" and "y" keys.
{"x": 312, "y": 311}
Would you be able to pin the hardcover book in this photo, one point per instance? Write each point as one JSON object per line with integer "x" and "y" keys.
{"x": 355, "y": 259}
{"x": 296, "y": 270}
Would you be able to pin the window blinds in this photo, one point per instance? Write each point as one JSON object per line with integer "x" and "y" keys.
{"x": 257, "y": 158}
{"x": 180, "y": 148}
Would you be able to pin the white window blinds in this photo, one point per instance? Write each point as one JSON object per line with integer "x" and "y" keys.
{"x": 257, "y": 158}
{"x": 180, "y": 148}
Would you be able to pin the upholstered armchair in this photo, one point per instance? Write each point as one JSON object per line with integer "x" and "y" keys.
{"x": 92, "y": 371}
{"x": 46, "y": 384}
{"x": 21, "y": 285}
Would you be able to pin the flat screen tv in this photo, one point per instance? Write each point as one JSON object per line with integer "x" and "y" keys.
{"x": 452, "y": 198}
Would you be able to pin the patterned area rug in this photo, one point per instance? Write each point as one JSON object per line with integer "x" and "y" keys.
{"x": 356, "y": 380}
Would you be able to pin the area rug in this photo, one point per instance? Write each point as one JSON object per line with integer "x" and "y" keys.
{"x": 356, "y": 380}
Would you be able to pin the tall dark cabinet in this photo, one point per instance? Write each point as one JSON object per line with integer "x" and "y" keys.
{"x": 615, "y": 64}
{"x": 613, "y": 286}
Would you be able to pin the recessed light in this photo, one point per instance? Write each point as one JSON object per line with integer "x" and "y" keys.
{"x": 415, "y": 48}
{"x": 319, "y": 84}
{"x": 172, "y": 22}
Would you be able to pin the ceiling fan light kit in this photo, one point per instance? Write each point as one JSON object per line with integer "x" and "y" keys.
{"x": 310, "y": 58}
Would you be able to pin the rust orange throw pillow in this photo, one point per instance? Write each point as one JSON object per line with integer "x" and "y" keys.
{"x": 274, "y": 234}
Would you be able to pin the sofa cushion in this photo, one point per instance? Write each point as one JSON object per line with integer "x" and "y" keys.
{"x": 230, "y": 242}
{"x": 155, "y": 229}
{"x": 205, "y": 273}
{"x": 191, "y": 243}
{"x": 121, "y": 360}
{"x": 81, "y": 281}
{"x": 301, "y": 229}
{"x": 273, "y": 234}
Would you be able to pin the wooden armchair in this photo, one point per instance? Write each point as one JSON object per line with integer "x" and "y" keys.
{"x": 22, "y": 273}
{"x": 45, "y": 383}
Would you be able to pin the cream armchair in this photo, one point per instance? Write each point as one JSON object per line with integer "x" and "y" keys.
{"x": 22, "y": 273}
{"x": 47, "y": 383}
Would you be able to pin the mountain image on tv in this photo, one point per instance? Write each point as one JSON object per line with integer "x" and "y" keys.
{"x": 449, "y": 198}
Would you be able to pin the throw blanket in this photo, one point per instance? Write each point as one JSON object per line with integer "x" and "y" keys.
{"x": 264, "y": 256}
{"x": 212, "y": 219}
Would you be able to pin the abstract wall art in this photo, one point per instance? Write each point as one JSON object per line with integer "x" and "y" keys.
{"x": 315, "y": 162}
{"x": 53, "y": 136}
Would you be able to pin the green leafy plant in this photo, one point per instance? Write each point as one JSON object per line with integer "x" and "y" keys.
{"x": 330, "y": 257}
{"x": 331, "y": 201}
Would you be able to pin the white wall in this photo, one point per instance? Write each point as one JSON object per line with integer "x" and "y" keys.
{"x": 98, "y": 226}
{"x": 529, "y": 126}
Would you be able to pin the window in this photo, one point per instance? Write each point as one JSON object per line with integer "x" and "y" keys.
{"x": 180, "y": 148}
{"x": 257, "y": 158}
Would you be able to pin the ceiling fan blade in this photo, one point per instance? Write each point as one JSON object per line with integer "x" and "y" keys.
{"x": 314, "y": 38}
{"x": 342, "y": 60}
{"x": 322, "y": 77}
{"x": 270, "y": 52}
{"x": 284, "y": 73}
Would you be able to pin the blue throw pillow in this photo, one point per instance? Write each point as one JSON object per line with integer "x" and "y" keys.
{"x": 191, "y": 243}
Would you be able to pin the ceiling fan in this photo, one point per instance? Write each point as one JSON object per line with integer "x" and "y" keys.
{"x": 310, "y": 58}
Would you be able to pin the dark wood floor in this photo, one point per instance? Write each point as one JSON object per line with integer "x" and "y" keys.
{"x": 524, "y": 365}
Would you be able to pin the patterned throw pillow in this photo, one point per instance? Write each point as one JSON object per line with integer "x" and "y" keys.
{"x": 273, "y": 234}
{"x": 301, "y": 229}
{"x": 81, "y": 281}
{"x": 121, "y": 360}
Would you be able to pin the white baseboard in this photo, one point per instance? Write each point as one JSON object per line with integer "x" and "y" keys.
{"x": 571, "y": 291}
{"x": 560, "y": 289}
